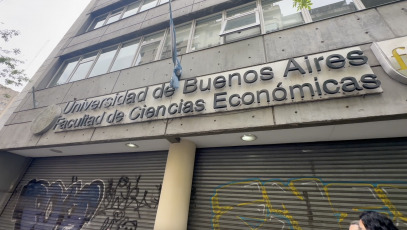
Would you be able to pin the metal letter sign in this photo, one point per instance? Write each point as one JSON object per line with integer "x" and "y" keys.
{"x": 392, "y": 55}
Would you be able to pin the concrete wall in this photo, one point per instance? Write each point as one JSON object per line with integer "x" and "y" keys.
{"x": 355, "y": 29}
{"x": 141, "y": 23}
{"x": 12, "y": 167}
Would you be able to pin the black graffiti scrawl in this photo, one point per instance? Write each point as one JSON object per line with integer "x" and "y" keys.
{"x": 124, "y": 198}
{"x": 43, "y": 205}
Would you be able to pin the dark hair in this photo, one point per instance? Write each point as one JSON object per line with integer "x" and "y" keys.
{"x": 376, "y": 221}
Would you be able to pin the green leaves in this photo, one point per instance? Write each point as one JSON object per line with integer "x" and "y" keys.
{"x": 9, "y": 63}
{"x": 302, "y": 4}
{"x": 7, "y": 34}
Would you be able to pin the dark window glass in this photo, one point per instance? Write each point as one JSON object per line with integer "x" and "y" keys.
{"x": 373, "y": 3}
{"x": 322, "y": 9}
{"x": 279, "y": 15}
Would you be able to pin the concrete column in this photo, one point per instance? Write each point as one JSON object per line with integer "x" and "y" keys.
{"x": 173, "y": 208}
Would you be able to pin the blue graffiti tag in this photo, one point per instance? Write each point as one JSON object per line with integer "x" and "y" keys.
{"x": 43, "y": 206}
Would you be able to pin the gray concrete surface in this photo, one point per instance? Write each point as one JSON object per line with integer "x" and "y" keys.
{"x": 354, "y": 29}
{"x": 12, "y": 167}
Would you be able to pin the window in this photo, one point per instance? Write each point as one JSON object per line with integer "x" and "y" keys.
{"x": 65, "y": 72}
{"x": 164, "y": 1}
{"x": 241, "y": 22}
{"x": 373, "y": 3}
{"x": 126, "y": 55}
{"x": 213, "y": 30}
{"x": 182, "y": 34}
{"x": 207, "y": 32}
{"x": 279, "y": 14}
{"x": 103, "y": 62}
{"x": 149, "y": 48}
{"x": 132, "y": 9}
{"x": 322, "y": 9}
{"x": 83, "y": 67}
{"x": 124, "y": 12}
{"x": 148, "y": 4}
{"x": 74, "y": 69}
{"x": 114, "y": 16}
{"x": 98, "y": 22}
{"x": 110, "y": 59}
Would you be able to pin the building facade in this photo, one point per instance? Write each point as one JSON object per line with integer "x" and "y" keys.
{"x": 284, "y": 118}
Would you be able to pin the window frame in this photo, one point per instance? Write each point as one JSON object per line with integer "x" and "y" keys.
{"x": 100, "y": 52}
{"x": 63, "y": 65}
{"x": 113, "y": 13}
{"x": 193, "y": 29}
{"x": 303, "y": 12}
{"x": 358, "y": 7}
{"x": 123, "y": 10}
{"x": 160, "y": 2}
{"x": 189, "y": 37}
{"x": 93, "y": 22}
{"x": 142, "y": 4}
{"x": 225, "y": 19}
{"x": 80, "y": 62}
{"x": 159, "y": 47}
{"x": 257, "y": 10}
{"x": 128, "y": 6}
{"x": 120, "y": 48}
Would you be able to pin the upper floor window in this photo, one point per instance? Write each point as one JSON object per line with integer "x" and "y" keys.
{"x": 148, "y": 4}
{"x": 64, "y": 72}
{"x": 124, "y": 12}
{"x": 206, "y": 32}
{"x": 373, "y": 3}
{"x": 322, "y": 9}
{"x": 241, "y": 20}
{"x": 103, "y": 62}
{"x": 135, "y": 52}
{"x": 278, "y": 15}
{"x": 126, "y": 55}
{"x": 256, "y": 17}
{"x": 182, "y": 34}
{"x": 98, "y": 22}
{"x": 149, "y": 48}
{"x": 132, "y": 9}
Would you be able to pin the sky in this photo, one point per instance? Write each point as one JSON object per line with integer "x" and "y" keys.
{"x": 42, "y": 24}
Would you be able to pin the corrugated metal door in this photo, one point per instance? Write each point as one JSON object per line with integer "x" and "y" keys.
{"x": 302, "y": 186}
{"x": 115, "y": 191}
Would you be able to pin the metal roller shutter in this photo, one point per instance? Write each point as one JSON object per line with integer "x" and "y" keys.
{"x": 115, "y": 191}
{"x": 299, "y": 186}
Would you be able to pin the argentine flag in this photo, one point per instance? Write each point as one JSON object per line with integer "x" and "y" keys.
{"x": 176, "y": 75}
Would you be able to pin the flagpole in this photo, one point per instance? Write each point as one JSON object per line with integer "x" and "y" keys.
{"x": 176, "y": 75}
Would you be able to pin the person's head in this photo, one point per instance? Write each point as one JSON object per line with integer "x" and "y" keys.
{"x": 354, "y": 225}
{"x": 371, "y": 220}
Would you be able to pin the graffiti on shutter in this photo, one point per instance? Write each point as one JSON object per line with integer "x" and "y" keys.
{"x": 45, "y": 205}
{"x": 303, "y": 202}
{"x": 52, "y": 205}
